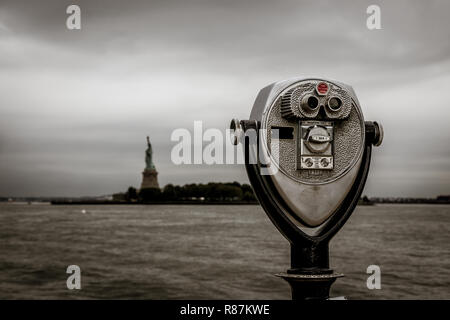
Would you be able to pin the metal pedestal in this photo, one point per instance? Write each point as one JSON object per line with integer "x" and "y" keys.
{"x": 310, "y": 286}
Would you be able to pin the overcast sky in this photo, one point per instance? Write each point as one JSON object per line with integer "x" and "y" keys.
{"x": 76, "y": 106}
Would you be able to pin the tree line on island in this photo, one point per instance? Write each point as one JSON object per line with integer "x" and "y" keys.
{"x": 213, "y": 192}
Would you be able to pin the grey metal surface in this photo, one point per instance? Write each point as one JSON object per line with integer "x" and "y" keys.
{"x": 348, "y": 142}
{"x": 313, "y": 195}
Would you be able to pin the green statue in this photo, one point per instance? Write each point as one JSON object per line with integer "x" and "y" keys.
{"x": 148, "y": 156}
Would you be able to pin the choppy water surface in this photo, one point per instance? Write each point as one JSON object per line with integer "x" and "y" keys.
{"x": 212, "y": 252}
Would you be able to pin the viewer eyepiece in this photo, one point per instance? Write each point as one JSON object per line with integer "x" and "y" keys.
{"x": 334, "y": 103}
{"x": 310, "y": 102}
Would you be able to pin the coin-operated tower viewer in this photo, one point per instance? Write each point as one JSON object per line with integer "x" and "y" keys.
{"x": 307, "y": 150}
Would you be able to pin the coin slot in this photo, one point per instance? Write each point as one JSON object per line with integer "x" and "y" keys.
{"x": 283, "y": 132}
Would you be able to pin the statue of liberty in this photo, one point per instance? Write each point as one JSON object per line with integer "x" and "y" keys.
{"x": 150, "y": 175}
{"x": 149, "y": 156}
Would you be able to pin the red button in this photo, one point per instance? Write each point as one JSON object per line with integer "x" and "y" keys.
{"x": 322, "y": 88}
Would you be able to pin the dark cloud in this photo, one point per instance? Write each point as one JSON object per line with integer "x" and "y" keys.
{"x": 76, "y": 105}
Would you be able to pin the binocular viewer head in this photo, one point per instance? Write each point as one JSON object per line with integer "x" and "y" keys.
{"x": 312, "y": 133}
{"x": 315, "y": 99}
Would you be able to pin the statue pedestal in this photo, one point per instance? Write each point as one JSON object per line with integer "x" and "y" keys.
{"x": 149, "y": 179}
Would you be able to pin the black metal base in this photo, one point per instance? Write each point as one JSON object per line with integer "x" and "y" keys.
{"x": 310, "y": 286}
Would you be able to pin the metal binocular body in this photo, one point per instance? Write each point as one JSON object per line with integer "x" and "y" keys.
{"x": 311, "y": 133}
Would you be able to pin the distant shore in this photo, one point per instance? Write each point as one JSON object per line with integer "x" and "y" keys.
{"x": 212, "y": 193}
{"x": 193, "y": 202}
{"x": 104, "y": 201}
{"x": 224, "y": 203}
{"x": 362, "y": 202}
